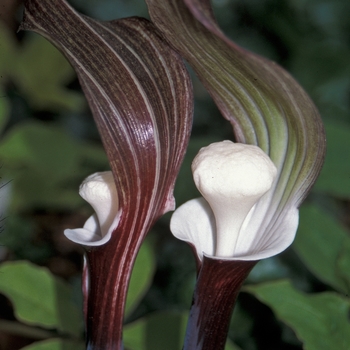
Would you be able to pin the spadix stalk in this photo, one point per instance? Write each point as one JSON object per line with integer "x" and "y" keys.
{"x": 232, "y": 177}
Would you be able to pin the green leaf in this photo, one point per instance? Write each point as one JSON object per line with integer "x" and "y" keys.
{"x": 231, "y": 346}
{"x": 323, "y": 245}
{"x": 7, "y": 55}
{"x": 267, "y": 270}
{"x": 4, "y": 110}
{"x": 141, "y": 277}
{"x": 39, "y": 298}
{"x": 242, "y": 324}
{"x": 42, "y": 73}
{"x": 39, "y": 145}
{"x": 320, "y": 321}
{"x": 343, "y": 263}
{"x": 46, "y": 165}
{"x": 8, "y": 52}
{"x": 335, "y": 175}
{"x": 20, "y": 237}
{"x": 329, "y": 63}
{"x": 55, "y": 344}
{"x": 159, "y": 331}
{"x": 33, "y": 190}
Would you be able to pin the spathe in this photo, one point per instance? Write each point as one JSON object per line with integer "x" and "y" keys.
{"x": 264, "y": 104}
{"x": 233, "y": 179}
{"x": 140, "y": 95}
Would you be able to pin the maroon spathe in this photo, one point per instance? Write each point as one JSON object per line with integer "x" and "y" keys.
{"x": 140, "y": 95}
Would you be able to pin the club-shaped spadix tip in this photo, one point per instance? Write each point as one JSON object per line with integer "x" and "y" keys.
{"x": 233, "y": 170}
{"x": 232, "y": 177}
{"x": 97, "y": 187}
{"x": 100, "y": 192}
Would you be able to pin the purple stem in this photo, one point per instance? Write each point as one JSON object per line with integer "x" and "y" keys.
{"x": 109, "y": 274}
{"x": 217, "y": 288}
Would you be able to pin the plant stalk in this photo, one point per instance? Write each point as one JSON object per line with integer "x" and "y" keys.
{"x": 217, "y": 288}
{"x": 109, "y": 270}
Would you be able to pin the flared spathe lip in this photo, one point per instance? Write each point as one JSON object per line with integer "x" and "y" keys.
{"x": 194, "y": 223}
{"x": 90, "y": 234}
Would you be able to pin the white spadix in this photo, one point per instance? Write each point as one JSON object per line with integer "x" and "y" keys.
{"x": 100, "y": 192}
{"x": 236, "y": 181}
{"x": 231, "y": 177}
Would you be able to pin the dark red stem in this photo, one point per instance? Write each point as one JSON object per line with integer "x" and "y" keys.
{"x": 217, "y": 288}
{"x": 109, "y": 274}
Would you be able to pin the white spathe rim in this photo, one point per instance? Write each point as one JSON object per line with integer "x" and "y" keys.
{"x": 194, "y": 222}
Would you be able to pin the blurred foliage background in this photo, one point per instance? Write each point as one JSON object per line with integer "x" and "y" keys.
{"x": 49, "y": 144}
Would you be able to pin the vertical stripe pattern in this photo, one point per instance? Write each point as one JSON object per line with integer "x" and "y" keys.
{"x": 141, "y": 97}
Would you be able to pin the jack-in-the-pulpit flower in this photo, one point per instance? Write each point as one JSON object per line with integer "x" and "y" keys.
{"x": 100, "y": 192}
{"x": 264, "y": 104}
{"x": 223, "y": 229}
{"x": 232, "y": 178}
{"x": 266, "y": 108}
{"x": 140, "y": 95}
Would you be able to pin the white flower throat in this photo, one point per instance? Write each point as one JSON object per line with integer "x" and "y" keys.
{"x": 232, "y": 178}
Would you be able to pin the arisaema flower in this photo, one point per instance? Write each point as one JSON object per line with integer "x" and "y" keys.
{"x": 140, "y": 95}
{"x": 267, "y": 108}
{"x": 264, "y": 104}
{"x": 141, "y": 98}
{"x": 233, "y": 178}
